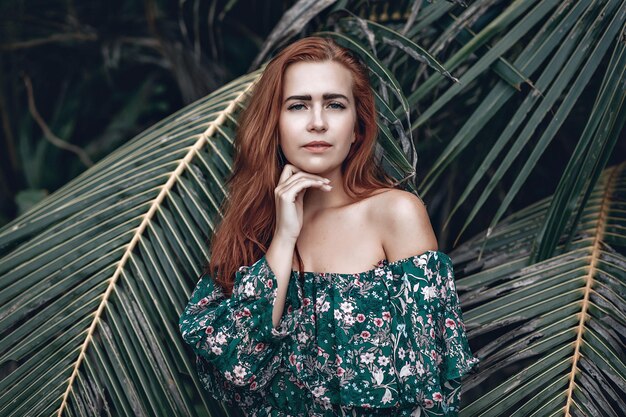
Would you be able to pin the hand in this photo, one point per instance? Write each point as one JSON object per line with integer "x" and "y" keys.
{"x": 289, "y": 195}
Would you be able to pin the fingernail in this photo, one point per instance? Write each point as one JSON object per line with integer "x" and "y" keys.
{"x": 326, "y": 180}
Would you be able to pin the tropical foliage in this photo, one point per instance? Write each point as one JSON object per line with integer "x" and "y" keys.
{"x": 95, "y": 275}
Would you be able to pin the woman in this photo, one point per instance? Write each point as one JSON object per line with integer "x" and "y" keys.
{"x": 305, "y": 193}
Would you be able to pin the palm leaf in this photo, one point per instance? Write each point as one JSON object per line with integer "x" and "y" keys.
{"x": 551, "y": 334}
{"x": 94, "y": 278}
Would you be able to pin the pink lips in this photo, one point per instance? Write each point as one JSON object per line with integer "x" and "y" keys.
{"x": 317, "y": 148}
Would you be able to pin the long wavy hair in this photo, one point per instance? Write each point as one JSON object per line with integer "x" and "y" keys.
{"x": 249, "y": 212}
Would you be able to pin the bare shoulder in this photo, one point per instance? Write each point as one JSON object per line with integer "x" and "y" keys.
{"x": 403, "y": 224}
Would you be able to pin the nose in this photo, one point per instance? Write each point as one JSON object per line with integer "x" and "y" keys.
{"x": 317, "y": 120}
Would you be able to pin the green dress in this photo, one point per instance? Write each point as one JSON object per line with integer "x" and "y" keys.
{"x": 388, "y": 341}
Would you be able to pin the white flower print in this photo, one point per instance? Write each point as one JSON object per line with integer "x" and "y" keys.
{"x": 387, "y": 397}
{"x": 249, "y": 289}
{"x": 378, "y": 375}
{"x": 429, "y": 292}
{"x": 367, "y": 358}
{"x": 383, "y": 360}
{"x": 347, "y": 306}
{"x": 401, "y": 352}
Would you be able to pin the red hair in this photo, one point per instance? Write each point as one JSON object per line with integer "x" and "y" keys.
{"x": 247, "y": 227}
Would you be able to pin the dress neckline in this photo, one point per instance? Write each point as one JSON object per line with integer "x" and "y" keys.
{"x": 380, "y": 264}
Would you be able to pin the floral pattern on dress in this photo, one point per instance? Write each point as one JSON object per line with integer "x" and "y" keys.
{"x": 388, "y": 341}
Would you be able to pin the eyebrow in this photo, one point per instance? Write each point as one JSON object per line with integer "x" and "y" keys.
{"x": 328, "y": 96}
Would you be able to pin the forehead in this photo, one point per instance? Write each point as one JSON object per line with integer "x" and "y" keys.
{"x": 317, "y": 78}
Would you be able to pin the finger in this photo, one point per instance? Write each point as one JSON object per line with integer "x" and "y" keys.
{"x": 302, "y": 174}
{"x": 288, "y": 171}
{"x": 291, "y": 190}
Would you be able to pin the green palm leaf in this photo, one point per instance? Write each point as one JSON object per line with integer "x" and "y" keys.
{"x": 551, "y": 333}
{"x": 94, "y": 278}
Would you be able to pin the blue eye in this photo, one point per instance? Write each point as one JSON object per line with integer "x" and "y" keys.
{"x": 296, "y": 106}
{"x": 341, "y": 106}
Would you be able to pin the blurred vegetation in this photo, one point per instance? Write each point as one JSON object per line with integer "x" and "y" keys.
{"x": 79, "y": 79}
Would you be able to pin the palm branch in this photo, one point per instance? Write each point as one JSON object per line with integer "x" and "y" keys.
{"x": 550, "y": 335}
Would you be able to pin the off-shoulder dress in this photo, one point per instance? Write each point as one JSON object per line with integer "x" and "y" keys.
{"x": 388, "y": 341}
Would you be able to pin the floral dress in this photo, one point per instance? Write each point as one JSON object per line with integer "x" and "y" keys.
{"x": 388, "y": 341}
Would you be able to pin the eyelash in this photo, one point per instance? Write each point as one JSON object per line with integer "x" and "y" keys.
{"x": 341, "y": 106}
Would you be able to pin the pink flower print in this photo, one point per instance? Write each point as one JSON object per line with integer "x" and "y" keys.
{"x": 289, "y": 309}
{"x": 216, "y": 350}
{"x": 259, "y": 346}
{"x": 386, "y": 315}
{"x": 239, "y": 372}
{"x": 378, "y": 321}
{"x": 360, "y": 317}
{"x": 203, "y": 302}
{"x": 338, "y": 360}
{"x": 313, "y": 318}
{"x": 432, "y": 333}
{"x": 253, "y": 385}
{"x": 437, "y": 396}
{"x": 246, "y": 312}
{"x": 299, "y": 366}
{"x": 450, "y": 323}
{"x": 320, "y": 351}
{"x": 419, "y": 368}
{"x": 367, "y": 358}
{"x": 340, "y": 371}
{"x": 292, "y": 358}
{"x": 270, "y": 284}
{"x": 303, "y": 337}
{"x": 428, "y": 403}
{"x": 306, "y": 302}
{"x": 318, "y": 391}
{"x": 365, "y": 334}
{"x": 220, "y": 339}
{"x": 209, "y": 329}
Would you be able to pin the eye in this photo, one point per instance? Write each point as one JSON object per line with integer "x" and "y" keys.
{"x": 293, "y": 106}
{"x": 340, "y": 106}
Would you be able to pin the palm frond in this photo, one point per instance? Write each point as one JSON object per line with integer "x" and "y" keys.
{"x": 550, "y": 335}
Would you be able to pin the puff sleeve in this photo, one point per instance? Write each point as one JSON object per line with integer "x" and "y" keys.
{"x": 432, "y": 352}
{"x": 235, "y": 342}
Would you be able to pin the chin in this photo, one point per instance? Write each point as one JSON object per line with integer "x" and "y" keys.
{"x": 314, "y": 168}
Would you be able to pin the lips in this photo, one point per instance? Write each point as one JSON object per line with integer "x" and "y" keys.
{"x": 317, "y": 143}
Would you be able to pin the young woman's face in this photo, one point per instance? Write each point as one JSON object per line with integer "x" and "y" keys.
{"x": 317, "y": 106}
